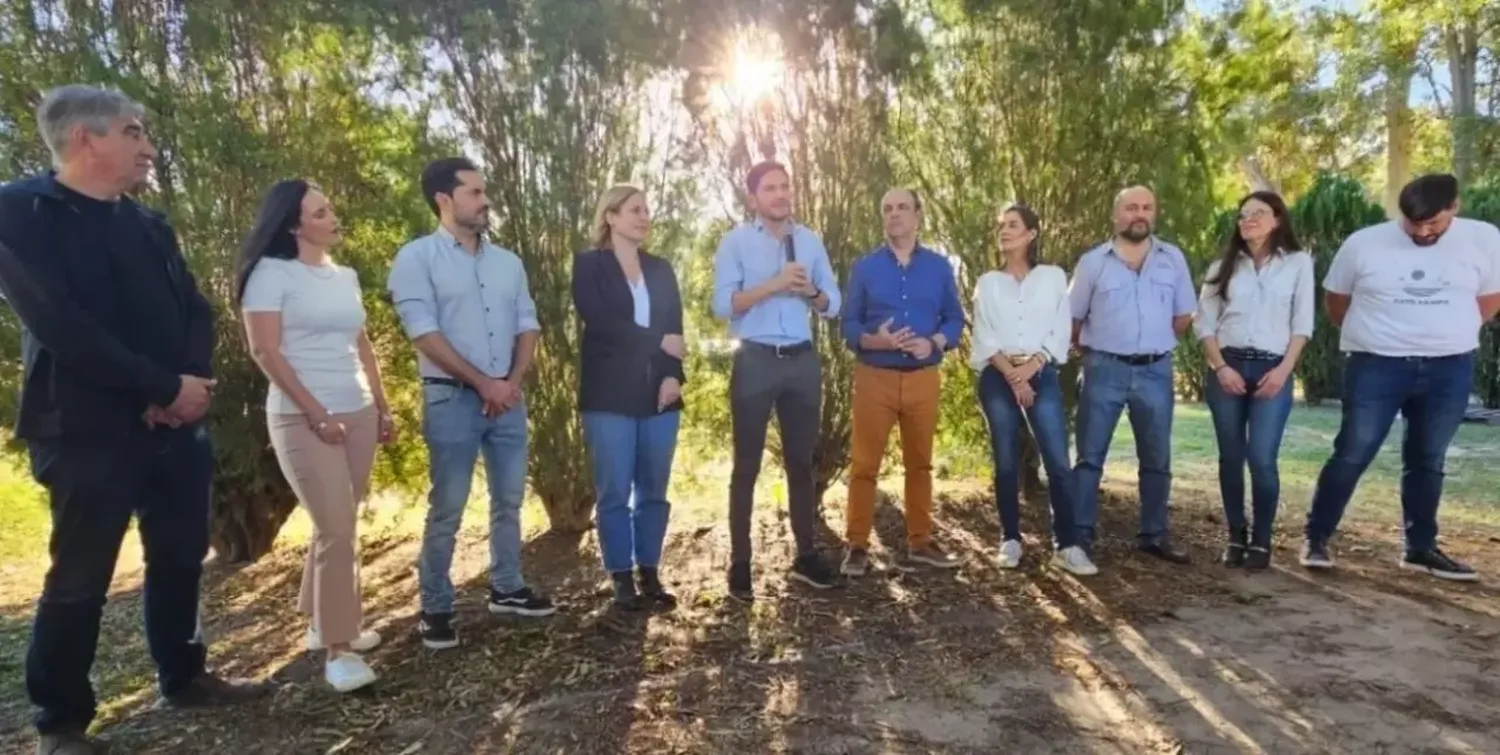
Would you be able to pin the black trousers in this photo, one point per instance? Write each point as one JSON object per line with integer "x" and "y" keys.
{"x": 95, "y": 485}
{"x": 792, "y": 386}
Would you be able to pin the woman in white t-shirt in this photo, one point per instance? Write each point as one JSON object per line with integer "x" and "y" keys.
{"x": 326, "y": 410}
{"x": 1022, "y": 327}
{"x": 1255, "y": 314}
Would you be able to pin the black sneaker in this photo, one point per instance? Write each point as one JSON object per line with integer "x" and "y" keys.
{"x": 1258, "y": 558}
{"x": 811, "y": 571}
{"x": 437, "y": 631}
{"x": 1437, "y": 564}
{"x": 740, "y": 586}
{"x": 1315, "y": 555}
{"x": 522, "y": 602}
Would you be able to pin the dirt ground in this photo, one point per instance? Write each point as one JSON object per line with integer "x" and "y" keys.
{"x": 1144, "y": 658}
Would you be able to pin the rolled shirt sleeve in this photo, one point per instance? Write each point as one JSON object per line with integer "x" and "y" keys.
{"x": 823, "y": 277}
{"x": 1210, "y": 306}
{"x": 1304, "y": 311}
{"x": 526, "y": 320}
{"x": 1185, "y": 300}
{"x": 729, "y": 278}
{"x": 412, "y": 293}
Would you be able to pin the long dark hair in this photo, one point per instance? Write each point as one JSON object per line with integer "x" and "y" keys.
{"x": 271, "y": 236}
{"x": 1283, "y": 239}
{"x": 1030, "y": 220}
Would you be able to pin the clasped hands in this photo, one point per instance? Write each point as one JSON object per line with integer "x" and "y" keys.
{"x": 884, "y": 339}
{"x": 192, "y": 402}
{"x": 1269, "y": 385}
{"x": 1019, "y": 377}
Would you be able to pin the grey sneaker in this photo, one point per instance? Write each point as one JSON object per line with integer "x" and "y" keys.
{"x": 856, "y": 562}
{"x": 1074, "y": 560}
{"x": 1315, "y": 555}
{"x": 931, "y": 555}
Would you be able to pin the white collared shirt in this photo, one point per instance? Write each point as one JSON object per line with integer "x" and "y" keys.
{"x": 1021, "y": 317}
{"x": 1266, "y": 307}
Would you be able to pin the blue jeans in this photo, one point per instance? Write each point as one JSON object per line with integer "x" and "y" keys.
{"x": 1109, "y": 387}
{"x": 1049, "y": 426}
{"x": 1431, "y": 394}
{"x": 457, "y": 432}
{"x": 632, "y": 459}
{"x": 1249, "y": 429}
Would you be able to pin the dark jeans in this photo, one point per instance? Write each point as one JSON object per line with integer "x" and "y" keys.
{"x": 1111, "y": 386}
{"x": 1049, "y": 426}
{"x": 95, "y": 486}
{"x": 792, "y": 385}
{"x": 1431, "y": 393}
{"x": 1249, "y": 429}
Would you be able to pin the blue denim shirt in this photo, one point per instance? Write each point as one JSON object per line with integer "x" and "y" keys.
{"x": 480, "y": 302}
{"x": 922, "y": 296}
{"x": 749, "y": 256}
{"x": 1128, "y": 312}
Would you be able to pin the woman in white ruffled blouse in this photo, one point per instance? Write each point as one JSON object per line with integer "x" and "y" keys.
{"x": 1022, "y": 326}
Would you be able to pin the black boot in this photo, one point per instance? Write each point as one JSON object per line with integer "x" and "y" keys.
{"x": 1234, "y": 554}
{"x": 653, "y": 591}
{"x": 626, "y": 597}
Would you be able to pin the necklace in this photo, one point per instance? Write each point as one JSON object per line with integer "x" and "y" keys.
{"x": 322, "y": 272}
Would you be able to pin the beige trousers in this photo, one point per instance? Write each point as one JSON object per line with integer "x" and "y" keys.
{"x": 331, "y": 481}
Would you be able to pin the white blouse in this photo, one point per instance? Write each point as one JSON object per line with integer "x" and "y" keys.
{"x": 1021, "y": 317}
{"x": 1266, "y": 307}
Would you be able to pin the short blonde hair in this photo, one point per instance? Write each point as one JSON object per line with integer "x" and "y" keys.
{"x": 612, "y": 201}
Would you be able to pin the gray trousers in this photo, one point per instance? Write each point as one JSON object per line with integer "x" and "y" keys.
{"x": 792, "y": 385}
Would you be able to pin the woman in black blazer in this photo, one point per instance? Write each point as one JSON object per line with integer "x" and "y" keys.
{"x": 630, "y": 391}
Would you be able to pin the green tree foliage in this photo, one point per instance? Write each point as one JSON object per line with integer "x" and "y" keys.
{"x": 238, "y": 99}
{"x": 1335, "y": 207}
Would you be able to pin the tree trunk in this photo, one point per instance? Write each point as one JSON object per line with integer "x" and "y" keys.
{"x": 568, "y": 515}
{"x": 1398, "y": 130}
{"x": 245, "y": 521}
{"x": 1463, "y": 62}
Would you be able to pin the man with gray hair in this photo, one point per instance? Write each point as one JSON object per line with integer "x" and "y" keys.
{"x": 117, "y": 349}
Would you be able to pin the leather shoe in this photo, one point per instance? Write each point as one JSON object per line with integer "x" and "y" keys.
{"x": 1164, "y": 551}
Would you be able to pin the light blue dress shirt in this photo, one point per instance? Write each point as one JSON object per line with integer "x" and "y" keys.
{"x": 1128, "y": 312}
{"x": 749, "y": 256}
{"x": 480, "y": 302}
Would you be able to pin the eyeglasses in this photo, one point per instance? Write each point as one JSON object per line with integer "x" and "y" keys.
{"x": 1253, "y": 215}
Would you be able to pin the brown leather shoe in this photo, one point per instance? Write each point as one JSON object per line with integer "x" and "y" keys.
{"x": 209, "y": 691}
{"x": 69, "y": 744}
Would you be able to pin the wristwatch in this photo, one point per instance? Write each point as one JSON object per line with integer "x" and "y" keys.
{"x": 815, "y": 294}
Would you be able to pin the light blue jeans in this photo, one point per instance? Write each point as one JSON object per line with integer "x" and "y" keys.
{"x": 457, "y": 433}
{"x": 632, "y": 459}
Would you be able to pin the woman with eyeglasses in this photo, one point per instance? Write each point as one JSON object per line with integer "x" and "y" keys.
{"x": 1255, "y": 315}
{"x": 1022, "y": 326}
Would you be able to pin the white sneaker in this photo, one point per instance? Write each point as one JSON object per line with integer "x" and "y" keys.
{"x": 1010, "y": 554}
{"x": 366, "y": 641}
{"x": 1073, "y": 559}
{"x": 348, "y": 672}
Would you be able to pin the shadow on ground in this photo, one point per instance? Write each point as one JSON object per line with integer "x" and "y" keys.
{"x": 1145, "y": 657}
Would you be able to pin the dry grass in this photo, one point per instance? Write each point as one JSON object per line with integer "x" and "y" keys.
{"x": 897, "y": 663}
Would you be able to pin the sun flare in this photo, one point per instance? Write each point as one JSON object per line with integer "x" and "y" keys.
{"x": 755, "y": 69}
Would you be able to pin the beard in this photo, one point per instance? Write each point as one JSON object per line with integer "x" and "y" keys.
{"x": 1138, "y": 231}
{"x": 479, "y": 222}
{"x": 1427, "y": 240}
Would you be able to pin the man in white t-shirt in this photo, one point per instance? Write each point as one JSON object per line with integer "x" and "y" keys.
{"x": 1410, "y": 296}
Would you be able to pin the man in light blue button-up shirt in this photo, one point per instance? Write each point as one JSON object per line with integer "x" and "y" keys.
{"x": 466, "y": 306}
{"x": 771, "y": 275}
{"x": 1131, "y": 298}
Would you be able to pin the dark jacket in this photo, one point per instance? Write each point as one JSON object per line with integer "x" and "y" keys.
{"x": 96, "y": 350}
{"x": 623, "y": 365}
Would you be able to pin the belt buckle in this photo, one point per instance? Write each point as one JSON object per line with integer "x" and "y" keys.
{"x": 1017, "y": 360}
{"x": 777, "y": 350}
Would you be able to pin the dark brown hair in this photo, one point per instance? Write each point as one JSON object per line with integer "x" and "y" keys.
{"x": 1283, "y": 239}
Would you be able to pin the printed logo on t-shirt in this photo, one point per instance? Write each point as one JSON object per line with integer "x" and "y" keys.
{"x": 1423, "y": 288}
